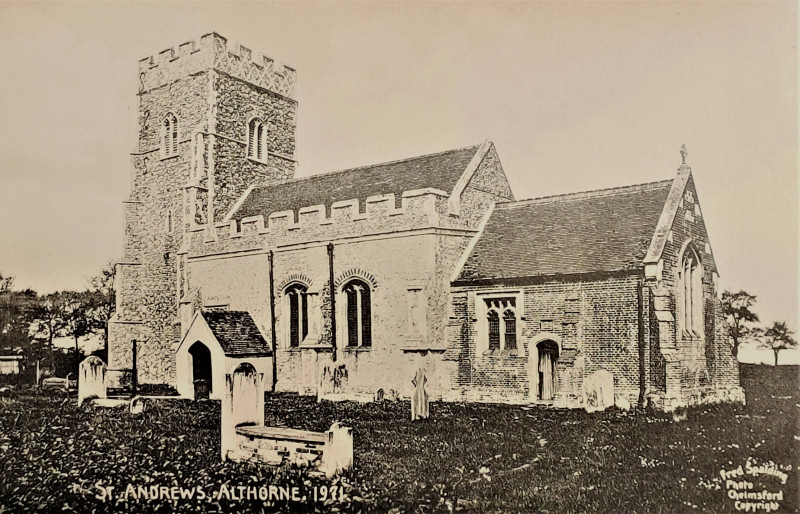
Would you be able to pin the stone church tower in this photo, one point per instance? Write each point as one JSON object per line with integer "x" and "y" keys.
{"x": 214, "y": 120}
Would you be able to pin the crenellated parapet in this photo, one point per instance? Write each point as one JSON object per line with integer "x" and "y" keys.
{"x": 214, "y": 51}
{"x": 418, "y": 209}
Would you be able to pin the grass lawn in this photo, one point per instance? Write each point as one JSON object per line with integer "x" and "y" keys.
{"x": 484, "y": 458}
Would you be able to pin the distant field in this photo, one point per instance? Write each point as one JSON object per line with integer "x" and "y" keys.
{"x": 482, "y": 458}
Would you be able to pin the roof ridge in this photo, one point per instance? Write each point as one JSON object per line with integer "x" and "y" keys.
{"x": 581, "y": 195}
{"x": 326, "y": 174}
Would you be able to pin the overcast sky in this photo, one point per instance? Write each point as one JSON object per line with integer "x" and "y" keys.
{"x": 575, "y": 97}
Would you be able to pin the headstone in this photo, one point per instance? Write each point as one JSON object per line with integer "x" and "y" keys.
{"x": 91, "y": 379}
{"x": 338, "y": 454}
{"x": 378, "y": 396}
{"x": 419, "y": 400}
{"x": 622, "y": 403}
{"x": 242, "y": 404}
{"x": 137, "y": 405}
{"x": 332, "y": 379}
{"x": 325, "y": 381}
{"x": 598, "y": 391}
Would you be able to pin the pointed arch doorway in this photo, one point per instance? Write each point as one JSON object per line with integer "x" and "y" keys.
{"x": 546, "y": 369}
{"x": 543, "y": 355}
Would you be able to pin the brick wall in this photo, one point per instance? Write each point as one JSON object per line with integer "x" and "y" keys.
{"x": 594, "y": 320}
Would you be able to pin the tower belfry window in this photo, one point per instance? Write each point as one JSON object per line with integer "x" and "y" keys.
{"x": 257, "y": 139}
{"x": 169, "y": 136}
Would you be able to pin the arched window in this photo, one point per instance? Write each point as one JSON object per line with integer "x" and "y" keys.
{"x": 169, "y": 136}
{"x": 510, "y": 326}
{"x": 502, "y": 330}
{"x": 494, "y": 330}
{"x": 297, "y": 299}
{"x": 358, "y": 313}
{"x": 256, "y": 139}
{"x": 690, "y": 293}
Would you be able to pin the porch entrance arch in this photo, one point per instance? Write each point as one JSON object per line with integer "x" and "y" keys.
{"x": 201, "y": 370}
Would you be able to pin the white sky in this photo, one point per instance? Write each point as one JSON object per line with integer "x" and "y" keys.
{"x": 575, "y": 96}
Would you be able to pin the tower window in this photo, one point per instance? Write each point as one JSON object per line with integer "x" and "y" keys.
{"x": 257, "y": 140}
{"x": 169, "y": 136}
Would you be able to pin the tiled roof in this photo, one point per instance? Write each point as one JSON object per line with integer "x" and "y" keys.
{"x": 597, "y": 231}
{"x": 437, "y": 171}
{"x": 236, "y": 332}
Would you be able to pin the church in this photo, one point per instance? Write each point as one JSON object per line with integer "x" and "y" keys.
{"x": 360, "y": 278}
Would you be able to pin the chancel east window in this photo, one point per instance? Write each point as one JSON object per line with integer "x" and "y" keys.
{"x": 169, "y": 136}
{"x": 358, "y": 313}
{"x": 297, "y": 299}
{"x": 501, "y": 323}
{"x": 690, "y": 293}
{"x": 257, "y": 139}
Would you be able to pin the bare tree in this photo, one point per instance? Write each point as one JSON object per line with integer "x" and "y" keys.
{"x": 49, "y": 319}
{"x": 16, "y": 310}
{"x": 778, "y": 337}
{"x": 737, "y": 308}
{"x": 102, "y": 302}
{"x": 77, "y": 321}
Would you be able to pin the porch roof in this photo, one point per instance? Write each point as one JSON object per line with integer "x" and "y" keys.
{"x": 237, "y": 333}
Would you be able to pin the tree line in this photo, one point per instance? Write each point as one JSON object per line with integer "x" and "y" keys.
{"x": 29, "y": 322}
{"x": 740, "y": 324}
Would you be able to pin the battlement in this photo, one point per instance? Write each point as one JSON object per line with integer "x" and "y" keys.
{"x": 418, "y": 209}
{"x": 214, "y": 51}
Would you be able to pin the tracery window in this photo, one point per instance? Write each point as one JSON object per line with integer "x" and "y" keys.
{"x": 690, "y": 293}
{"x": 501, "y": 323}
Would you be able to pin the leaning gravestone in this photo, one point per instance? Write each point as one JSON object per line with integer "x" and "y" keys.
{"x": 419, "y": 400}
{"x": 91, "y": 379}
{"x": 242, "y": 404}
{"x": 598, "y": 391}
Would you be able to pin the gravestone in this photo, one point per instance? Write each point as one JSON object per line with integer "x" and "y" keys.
{"x": 91, "y": 379}
{"x": 137, "y": 405}
{"x": 332, "y": 380}
{"x": 622, "y": 403}
{"x": 598, "y": 391}
{"x": 419, "y": 400}
{"x": 338, "y": 453}
{"x": 242, "y": 404}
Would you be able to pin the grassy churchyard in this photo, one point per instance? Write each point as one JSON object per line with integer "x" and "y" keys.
{"x": 481, "y": 458}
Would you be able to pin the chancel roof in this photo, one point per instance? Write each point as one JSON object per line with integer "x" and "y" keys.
{"x": 582, "y": 233}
